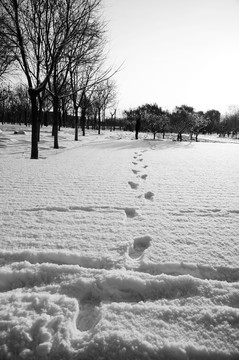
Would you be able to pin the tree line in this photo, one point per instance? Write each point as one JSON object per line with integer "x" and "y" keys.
{"x": 15, "y": 108}
{"x": 182, "y": 120}
{"x": 59, "y": 46}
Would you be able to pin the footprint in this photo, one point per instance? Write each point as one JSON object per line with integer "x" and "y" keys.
{"x": 145, "y": 166}
{"x": 135, "y": 163}
{"x": 230, "y": 211}
{"x": 140, "y": 245}
{"x": 140, "y": 159}
{"x": 144, "y": 176}
{"x": 135, "y": 171}
{"x": 142, "y": 242}
{"x": 149, "y": 195}
{"x": 133, "y": 185}
{"x": 130, "y": 212}
{"x": 88, "y": 317}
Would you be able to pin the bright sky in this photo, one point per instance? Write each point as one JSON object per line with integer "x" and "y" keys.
{"x": 175, "y": 52}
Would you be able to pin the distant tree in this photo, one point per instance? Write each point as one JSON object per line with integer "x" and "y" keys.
{"x": 213, "y": 118}
{"x": 181, "y": 120}
{"x": 85, "y": 105}
{"x": 14, "y": 104}
{"x": 112, "y": 119}
{"x": 4, "y": 93}
{"x": 138, "y": 117}
{"x": 155, "y": 118}
{"x": 81, "y": 92}
{"x": 230, "y": 123}
{"x": 133, "y": 119}
{"x": 104, "y": 96}
{"x": 129, "y": 120}
{"x": 198, "y": 123}
{"x": 145, "y": 118}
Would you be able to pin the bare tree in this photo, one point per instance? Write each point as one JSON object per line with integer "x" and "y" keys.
{"x": 41, "y": 33}
{"x": 104, "y": 96}
{"x": 112, "y": 119}
{"x": 82, "y": 89}
{"x": 6, "y": 54}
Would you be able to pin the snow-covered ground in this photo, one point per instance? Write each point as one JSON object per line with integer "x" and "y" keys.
{"x": 112, "y": 248}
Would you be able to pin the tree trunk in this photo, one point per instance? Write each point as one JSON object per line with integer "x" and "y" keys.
{"x": 76, "y": 123}
{"x": 38, "y": 128}
{"x": 45, "y": 119}
{"x": 137, "y": 128}
{"x": 179, "y": 137}
{"x": 34, "y": 140}
{"x": 94, "y": 121}
{"x": 64, "y": 114}
{"x": 55, "y": 121}
{"x": 59, "y": 120}
{"x": 87, "y": 122}
{"x": 40, "y": 114}
{"x": 83, "y": 120}
{"x": 99, "y": 121}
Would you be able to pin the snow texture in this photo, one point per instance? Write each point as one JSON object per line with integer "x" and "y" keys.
{"x": 113, "y": 248}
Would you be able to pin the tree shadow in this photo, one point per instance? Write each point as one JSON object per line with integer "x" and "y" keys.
{"x": 141, "y": 144}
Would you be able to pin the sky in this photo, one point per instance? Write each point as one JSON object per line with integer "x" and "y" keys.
{"x": 174, "y": 52}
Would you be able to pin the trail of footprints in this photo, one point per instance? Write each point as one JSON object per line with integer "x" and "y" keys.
{"x": 137, "y": 160}
{"x": 140, "y": 244}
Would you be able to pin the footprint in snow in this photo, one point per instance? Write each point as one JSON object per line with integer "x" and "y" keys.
{"x": 144, "y": 176}
{"x": 135, "y": 171}
{"x": 149, "y": 195}
{"x": 133, "y": 185}
{"x": 135, "y": 163}
{"x": 88, "y": 317}
{"x": 130, "y": 212}
{"x": 140, "y": 245}
{"x": 145, "y": 166}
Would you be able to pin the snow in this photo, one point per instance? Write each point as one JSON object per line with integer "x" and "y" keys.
{"x": 115, "y": 248}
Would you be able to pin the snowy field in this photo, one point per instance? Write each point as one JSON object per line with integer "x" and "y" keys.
{"x": 112, "y": 248}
